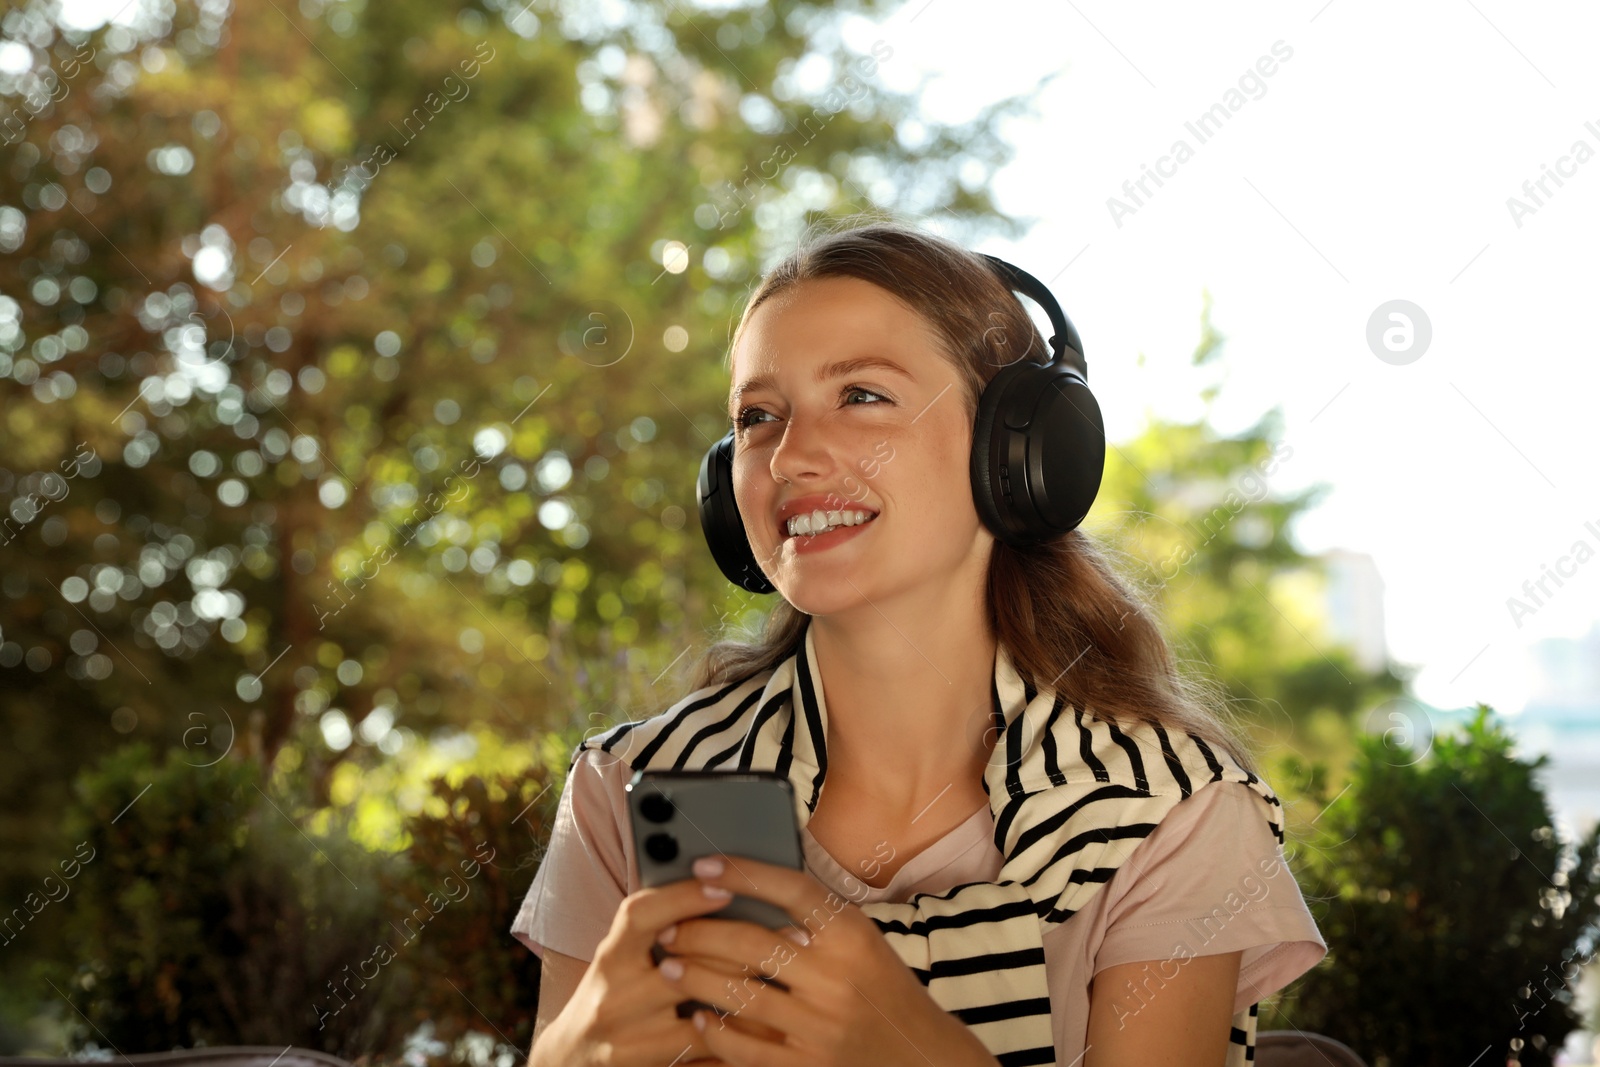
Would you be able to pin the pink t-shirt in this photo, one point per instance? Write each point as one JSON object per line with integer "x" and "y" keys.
{"x": 1211, "y": 878}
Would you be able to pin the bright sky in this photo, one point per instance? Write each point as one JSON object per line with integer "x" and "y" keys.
{"x": 1374, "y": 164}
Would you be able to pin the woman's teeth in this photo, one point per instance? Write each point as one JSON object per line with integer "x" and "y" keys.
{"x": 820, "y": 521}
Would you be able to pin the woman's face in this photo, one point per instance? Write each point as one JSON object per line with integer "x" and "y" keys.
{"x": 892, "y": 441}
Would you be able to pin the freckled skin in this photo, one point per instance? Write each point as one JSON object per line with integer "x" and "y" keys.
{"x": 900, "y": 447}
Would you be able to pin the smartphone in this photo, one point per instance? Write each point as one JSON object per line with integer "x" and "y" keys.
{"x": 679, "y": 816}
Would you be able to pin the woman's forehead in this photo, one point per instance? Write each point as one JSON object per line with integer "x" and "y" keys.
{"x": 831, "y": 318}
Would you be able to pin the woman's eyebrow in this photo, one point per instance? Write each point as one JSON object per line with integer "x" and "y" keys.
{"x": 837, "y": 369}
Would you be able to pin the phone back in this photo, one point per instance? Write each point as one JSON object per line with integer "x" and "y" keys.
{"x": 678, "y": 816}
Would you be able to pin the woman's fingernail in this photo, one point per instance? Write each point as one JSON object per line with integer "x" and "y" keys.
{"x": 797, "y": 935}
{"x": 700, "y": 1021}
{"x": 666, "y": 936}
{"x": 672, "y": 967}
{"x": 707, "y": 867}
{"x": 716, "y": 892}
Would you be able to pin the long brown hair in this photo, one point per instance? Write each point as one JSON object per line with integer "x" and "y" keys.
{"x": 1069, "y": 610}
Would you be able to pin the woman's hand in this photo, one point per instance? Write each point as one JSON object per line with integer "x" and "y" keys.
{"x": 623, "y": 1012}
{"x": 844, "y": 996}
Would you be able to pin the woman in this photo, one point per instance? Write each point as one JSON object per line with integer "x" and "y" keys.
{"x": 899, "y": 639}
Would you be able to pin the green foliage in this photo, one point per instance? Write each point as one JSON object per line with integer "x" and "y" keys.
{"x": 372, "y": 460}
{"x": 470, "y": 976}
{"x": 203, "y": 915}
{"x": 430, "y": 481}
{"x": 208, "y": 917}
{"x": 1455, "y": 917}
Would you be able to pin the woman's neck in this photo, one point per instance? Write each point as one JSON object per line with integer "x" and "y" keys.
{"x": 909, "y": 706}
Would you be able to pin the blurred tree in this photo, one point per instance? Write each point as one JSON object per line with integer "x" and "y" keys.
{"x": 1456, "y": 918}
{"x": 325, "y": 419}
{"x": 1205, "y": 521}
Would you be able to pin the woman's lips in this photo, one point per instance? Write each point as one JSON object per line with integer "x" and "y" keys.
{"x": 809, "y": 543}
{"x": 784, "y": 534}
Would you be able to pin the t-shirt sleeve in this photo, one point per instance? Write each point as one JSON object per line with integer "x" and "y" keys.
{"x": 1212, "y": 878}
{"x": 588, "y": 867}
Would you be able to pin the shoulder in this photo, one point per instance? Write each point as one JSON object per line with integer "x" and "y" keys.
{"x": 1088, "y": 760}
{"x": 706, "y": 714}
{"x": 1213, "y": 848}
{"x": 587, "y": 866}
{"x": 1084, "y": 802}
{"x": 594, "y": 795}
{"x": 1211, "y": 878}
{"x": 1223, "y": 809}
{"x": 592, "y": 821}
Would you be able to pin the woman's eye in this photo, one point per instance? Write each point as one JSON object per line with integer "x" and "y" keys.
{"x": 746, "y": 417}
{"x": 869, "y": 392}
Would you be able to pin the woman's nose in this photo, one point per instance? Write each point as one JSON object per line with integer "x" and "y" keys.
{"x": 802, "y": 449}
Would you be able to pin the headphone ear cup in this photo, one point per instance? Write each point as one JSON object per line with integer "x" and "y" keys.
{"x": 721, "y": 522}
{"x": 1038, "y": 452}
{"x": 987, "y": 493}
{"x": 1074, "y": 449}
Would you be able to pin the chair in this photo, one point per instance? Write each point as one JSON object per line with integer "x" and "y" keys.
{"x": 1296, "y": 1048}
{"x": 221, "y": 1056}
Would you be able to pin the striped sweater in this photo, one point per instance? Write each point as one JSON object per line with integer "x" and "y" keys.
{"x": 1072, "y": 796}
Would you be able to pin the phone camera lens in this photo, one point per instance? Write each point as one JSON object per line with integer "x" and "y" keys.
{"x": 656, "y": 808}
{"x": 663, "y": 848}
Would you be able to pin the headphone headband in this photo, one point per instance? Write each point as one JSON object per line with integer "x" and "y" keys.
{"x": 1065, "y": 339}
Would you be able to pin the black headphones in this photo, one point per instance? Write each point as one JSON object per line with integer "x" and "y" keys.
{"x": 1038, "y": 450}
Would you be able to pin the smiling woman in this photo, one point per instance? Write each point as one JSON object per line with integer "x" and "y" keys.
{"x": 1064, "y": 812}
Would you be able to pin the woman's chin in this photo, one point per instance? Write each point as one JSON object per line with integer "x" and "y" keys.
{"x": 815, "y": 595}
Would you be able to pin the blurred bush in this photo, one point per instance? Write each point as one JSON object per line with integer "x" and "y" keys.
{"x": 1456, "y": 918}
{"x": 211, "y": 918}
{"x": 205, "y": 915}
{"x": 471, "y": 977}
